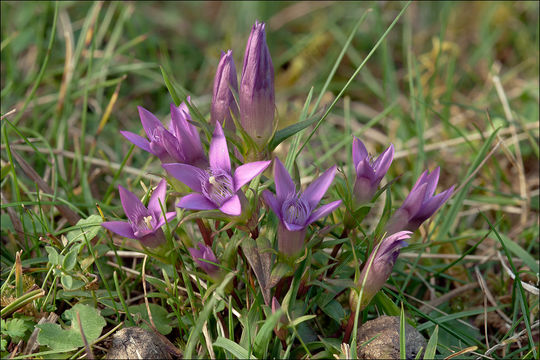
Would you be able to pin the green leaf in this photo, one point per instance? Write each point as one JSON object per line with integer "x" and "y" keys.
{"x": 53, "y": 255}
{"x": 159, "y": 315}
{"x": 520, "y": 252}
{"x": 236, "y": 350}
{"x": 284, "y": 134}
{"x": 431, "y": 347}
{"x": 170, "y": 87}
{"x": 334, "y": 310}
{"x": 53, "y": 336}
{"x": 387, "y": 305}
{"x": 264, "y": 336}
{"x": 204, "y": 315}
{"x": 15, "y": 328}
{"x": 69, "y": 283}
{"x": 88, "y": 228}
{"x": 70, "y": 259}
{"x": 301, "y": 319}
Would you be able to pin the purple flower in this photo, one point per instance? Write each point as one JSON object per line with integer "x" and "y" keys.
{"x": 180, "y": 143}
{"x": 369, "y": 172}
{"x": 296, "y": 211}
{"x": 378, "y": 266}
{"x": 420, "y": 204}
{"x": 202, "y": 255}
{"x": 217, "y": 186}
{"x": 256, "y": 97}
{"x": 144, "y": 224}
{"x": 223, "y": 102}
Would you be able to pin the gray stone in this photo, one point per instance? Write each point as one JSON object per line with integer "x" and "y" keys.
{"x": 137, "y": 343}
{"x": 385, "y": 344}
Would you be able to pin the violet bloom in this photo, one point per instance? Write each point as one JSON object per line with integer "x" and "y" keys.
{"x": 144, "y": 224}
{"x": 217, "y": 186}
{"x": 179, "y": 143}
{"x": 296, "y": 211}
{"x": 378, "y": 267}
{"x": 369, "y": 172}
{"x": 201, "y": 254}
{"x": 256, "y": 97}
{"x": 420, "y": 204}
{"x": 223, "y": 102}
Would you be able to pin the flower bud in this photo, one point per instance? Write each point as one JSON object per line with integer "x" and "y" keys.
{"x": 202, "y": 253}
{"x": 279, "y": 329}
{"x": 369, "y": 172}
{"x": 378, "y": 267}
{"x": 420, "y": 204}
{"x": 257, "y": 99}
{"x": 223, "y": 102}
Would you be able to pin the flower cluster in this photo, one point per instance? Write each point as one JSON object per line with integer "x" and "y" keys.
{"x": 216, "y": 180}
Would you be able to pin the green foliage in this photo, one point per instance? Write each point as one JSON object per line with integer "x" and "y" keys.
{"x": 70, "y": 338}
{"x": 159, "y": 316}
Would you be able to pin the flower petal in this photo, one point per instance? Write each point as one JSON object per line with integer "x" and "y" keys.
{"x": 432, "y": 180}
{"x": 359, "y": 151}
{"x": 365, "y": 170}
{"x": 414, "y": 200}
{"x": 196, "y": 202}
{"x": 284, "y": 184}
{"x": 169, "y": 216}
{"x": 316, "y": 190}
{"x": 383, "y": 162}
{"x": 293, "y": 227}
{"x": 243, "y": 174}
{"x": 422, "y": 179}
{"x": 392, "y": 242}
{"x": 158, "y": 196}
{"x": 323, "y": 211}
{"x": 121, "y": 228}
{"x": 138, "y": 141}
{"x": 232, "y": 206}
{"x": 133, "y": 207}
{"x": 149, "y": 121}
{"x": 272, "y": 202}
{"x": 186, "y": 133}
{"x": 188, "y": 174}
{"x": 218, "y": 152}
{"x": 433, "y": 204}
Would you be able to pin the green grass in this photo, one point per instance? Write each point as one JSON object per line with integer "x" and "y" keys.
{"x": 449, "y": 84}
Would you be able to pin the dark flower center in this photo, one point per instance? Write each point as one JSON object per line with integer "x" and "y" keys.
{"x": 218, "y": 186}
{"x": 295, "y": 211}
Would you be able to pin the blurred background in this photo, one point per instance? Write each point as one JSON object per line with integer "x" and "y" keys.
{"x": 430, "y": 81}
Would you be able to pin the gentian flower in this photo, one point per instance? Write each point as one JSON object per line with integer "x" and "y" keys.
{"x": 223, "y": 102}
{"x": 256, "y": 97}
{"x": 144, "y": 224}
{"x": 369, "y": 172}
{"x": 181, "y": 143}
{"x": 296, "y": 211}
{"x": 217, "y": 186}
{"x": 420, "y": 204}
{"x": 378, "y": 267}
{"x": 202, "y": 252}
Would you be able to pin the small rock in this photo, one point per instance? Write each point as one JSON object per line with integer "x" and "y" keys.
{"x": 385, "y": 330}
{"x": 137, "y": 343}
